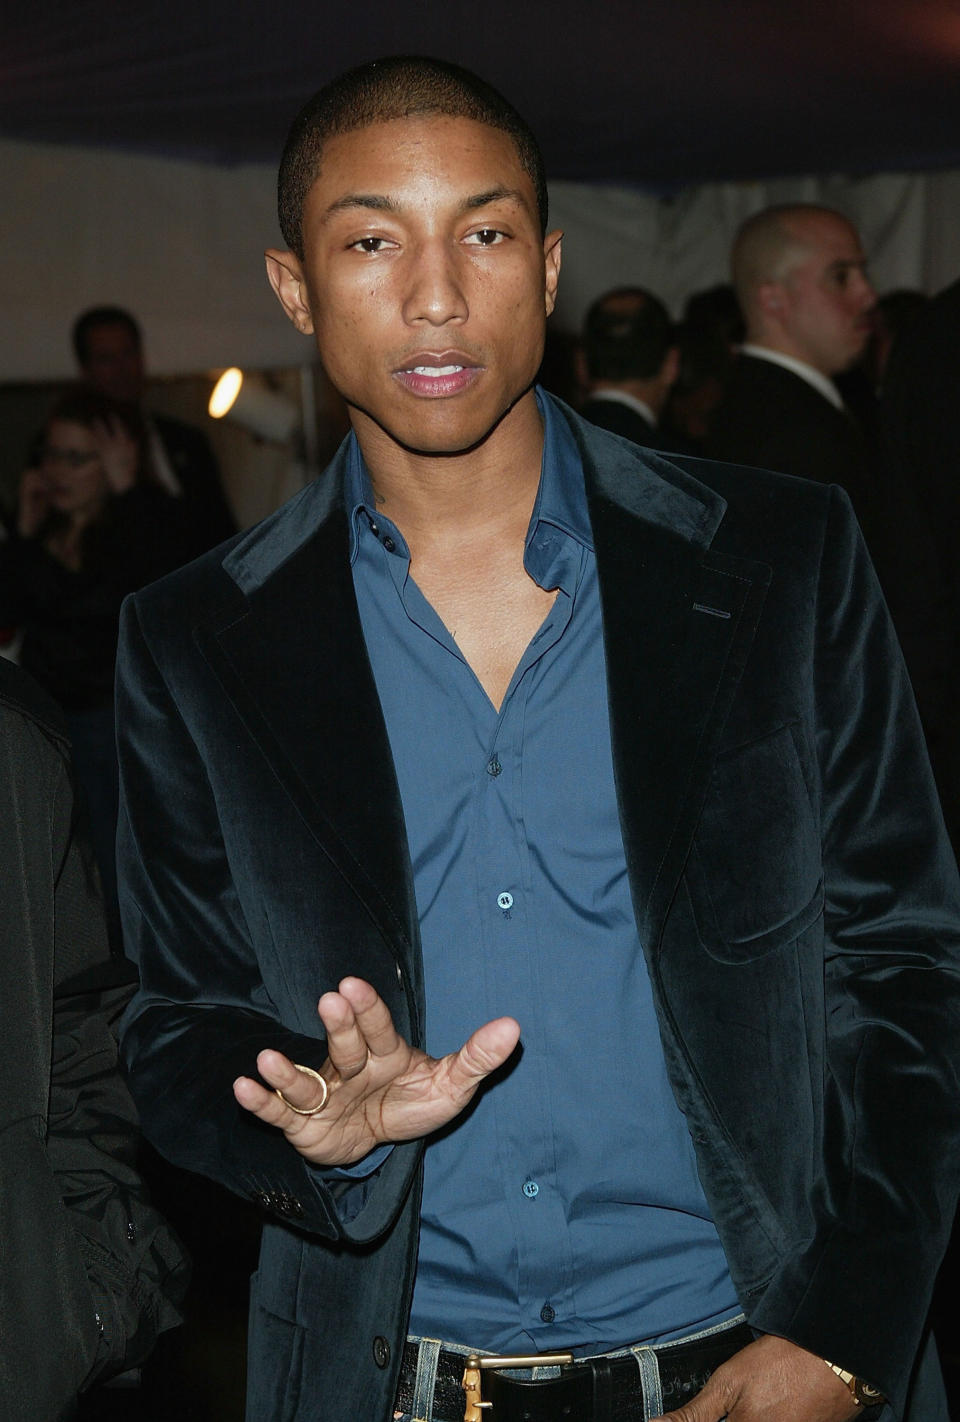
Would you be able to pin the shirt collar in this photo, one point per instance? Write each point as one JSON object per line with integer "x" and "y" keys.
{"x": 632, "y": 402}
{"x": 820, "y": 382}
{"x": 561, "y": 497}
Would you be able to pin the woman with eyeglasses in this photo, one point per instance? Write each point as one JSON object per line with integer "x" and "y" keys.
{"x": 91, "y": 525}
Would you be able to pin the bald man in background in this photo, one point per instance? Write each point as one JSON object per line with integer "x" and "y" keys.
{"x": 800, "y": 276}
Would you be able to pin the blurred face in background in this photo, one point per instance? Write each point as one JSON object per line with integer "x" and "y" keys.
{"x": 73, "y": 470}
{"x": 113, "y": 362}
{"x": 825, "y": 302}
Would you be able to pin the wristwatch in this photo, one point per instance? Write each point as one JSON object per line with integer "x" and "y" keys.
{"x": 862, "y": 1393}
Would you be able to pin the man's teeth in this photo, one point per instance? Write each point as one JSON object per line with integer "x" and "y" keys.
{"x": 436, "y": 369}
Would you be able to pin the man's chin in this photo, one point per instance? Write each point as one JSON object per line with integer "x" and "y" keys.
{"x": 437, "y": 433}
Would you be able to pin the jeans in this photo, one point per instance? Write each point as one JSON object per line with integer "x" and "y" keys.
{"x": 644, "y": 1355}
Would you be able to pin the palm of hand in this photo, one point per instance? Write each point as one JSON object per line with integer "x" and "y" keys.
{"x": 381, "y": 1090}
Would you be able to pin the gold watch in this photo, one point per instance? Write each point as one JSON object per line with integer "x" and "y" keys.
{"x": 862, "y": 1393}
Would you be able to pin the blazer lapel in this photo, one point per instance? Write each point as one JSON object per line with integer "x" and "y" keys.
{"x": 679, "y": 619}
{"x": 294, "y": 662}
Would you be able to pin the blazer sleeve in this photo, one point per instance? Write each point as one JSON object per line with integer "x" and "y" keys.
{"x": 859, "y": 1290}
{"x": 202, "y": 1013}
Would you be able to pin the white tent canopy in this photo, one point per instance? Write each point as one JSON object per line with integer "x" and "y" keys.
{"x": 179, "y": 244}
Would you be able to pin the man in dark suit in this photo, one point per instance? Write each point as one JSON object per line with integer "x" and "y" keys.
{"x": 108, "y": 345}
{"x": 89, "y": 1273}
{"x": 506, "y": 721}
{"x": 800, "y": 276}
{"x": 630, "y": 362}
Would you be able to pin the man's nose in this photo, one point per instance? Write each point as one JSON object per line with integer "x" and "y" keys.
{"x": 435, "y": 293}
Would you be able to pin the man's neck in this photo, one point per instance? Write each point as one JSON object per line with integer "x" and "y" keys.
{"x": 488, "y": 490}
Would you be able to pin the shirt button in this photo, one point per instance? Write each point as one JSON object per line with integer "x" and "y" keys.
{"x": 548, "y": 1314}
{"x": 493, "y": 766}
{"x": 531, "y": 1189}
{"x": 505, "y": 901}
{"x": 374, "y": 529}
{"x": 389, "y": 544}
{"x": 381, "y": 1352}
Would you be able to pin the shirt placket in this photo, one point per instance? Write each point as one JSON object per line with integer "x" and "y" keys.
{"x": 507, "y": 912}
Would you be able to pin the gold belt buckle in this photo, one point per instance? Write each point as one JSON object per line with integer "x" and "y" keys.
{"x": 476, "y": 1364}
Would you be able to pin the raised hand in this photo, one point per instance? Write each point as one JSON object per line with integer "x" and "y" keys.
{"x": 771, "y": 1380}
{"x": 380, "y": 1089}
{"x": 119, "y": 453}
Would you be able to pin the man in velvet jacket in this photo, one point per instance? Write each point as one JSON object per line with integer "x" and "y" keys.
{"x": 793, "y": 892}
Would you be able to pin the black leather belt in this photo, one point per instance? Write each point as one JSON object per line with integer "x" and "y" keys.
{"x": 589, "y": 1390}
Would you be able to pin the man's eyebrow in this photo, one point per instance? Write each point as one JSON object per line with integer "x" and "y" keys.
{"x": 375, "y": 202}
{"x": 379, "y": 202}
{"x": 497, "y": 194}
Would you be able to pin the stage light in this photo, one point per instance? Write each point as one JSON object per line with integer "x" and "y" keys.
{"x": 248, "y": 401}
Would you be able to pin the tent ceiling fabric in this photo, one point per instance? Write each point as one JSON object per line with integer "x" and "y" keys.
{"x": 651, "y": 93}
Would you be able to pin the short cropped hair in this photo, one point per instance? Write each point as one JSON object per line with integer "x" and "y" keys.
{"x": 770, "y": 244}
{"x": 399, "y": 86}
{"x": 627, "y": 335}
{"x": 96, "y": 317}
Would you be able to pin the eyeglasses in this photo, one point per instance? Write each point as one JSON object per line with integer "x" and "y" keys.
{"x": 75, "y": 458}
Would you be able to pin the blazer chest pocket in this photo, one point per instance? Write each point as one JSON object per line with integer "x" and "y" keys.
{"x": 754, "y": 871}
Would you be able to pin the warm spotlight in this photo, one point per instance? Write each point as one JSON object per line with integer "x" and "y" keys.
{"x": 247, "y": 400}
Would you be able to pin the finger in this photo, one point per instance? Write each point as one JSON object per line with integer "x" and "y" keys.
{"x": 359, "y": 1026}
{"x": 708, "y": 1405}
{"x": 373, "y": 1016}
{"x": 256, "y": 1099}
{"x": 301, "y": 1089}
{"x": 346, "y": 1044}
{"x": 483, "y": 1052}
{"x": 267, "y": 1106}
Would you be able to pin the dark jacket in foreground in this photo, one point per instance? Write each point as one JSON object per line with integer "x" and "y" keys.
{"x": 89, "y": 1273}
{"x": 794, "y": 891}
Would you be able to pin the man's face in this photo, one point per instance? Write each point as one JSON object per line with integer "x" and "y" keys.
{"x": 827, "y": 298}
{"x": 425, "y": 278}
{"x": 114, "y": 362}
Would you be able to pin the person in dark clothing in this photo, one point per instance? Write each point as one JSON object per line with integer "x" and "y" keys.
{"x": 800, "y": 275}
{"x": 108, "y": 346}
{"x": 630, "y": 363}
{"x": 90, "y": 527}
{"x": 90, "y": 1273}
{"x": 921, "y": 436}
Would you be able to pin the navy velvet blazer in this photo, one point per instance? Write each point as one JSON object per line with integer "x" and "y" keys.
{"x": 794, "y": 892}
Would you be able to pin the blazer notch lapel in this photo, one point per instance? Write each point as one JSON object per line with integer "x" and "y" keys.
{"x": 294, "y": 665}
{"x": 679, "y": 622}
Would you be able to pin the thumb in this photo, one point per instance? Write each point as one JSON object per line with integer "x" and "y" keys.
{"x": 484, "y": 1051}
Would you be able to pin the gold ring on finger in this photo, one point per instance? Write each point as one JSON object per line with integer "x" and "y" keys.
{"x": 300, "y": 1110}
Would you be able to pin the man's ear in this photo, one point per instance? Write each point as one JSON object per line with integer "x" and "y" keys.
{"x": 770, "y": 297}
{"x": 551, "y": 257}
{"x": 285, "y": 275}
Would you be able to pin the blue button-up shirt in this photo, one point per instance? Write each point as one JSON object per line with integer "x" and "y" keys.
{"x": 564, "y": 1207}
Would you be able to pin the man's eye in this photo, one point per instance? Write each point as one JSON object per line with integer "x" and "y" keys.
{"x": 370, "y": 244}
{"x": 486, "y": 237}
